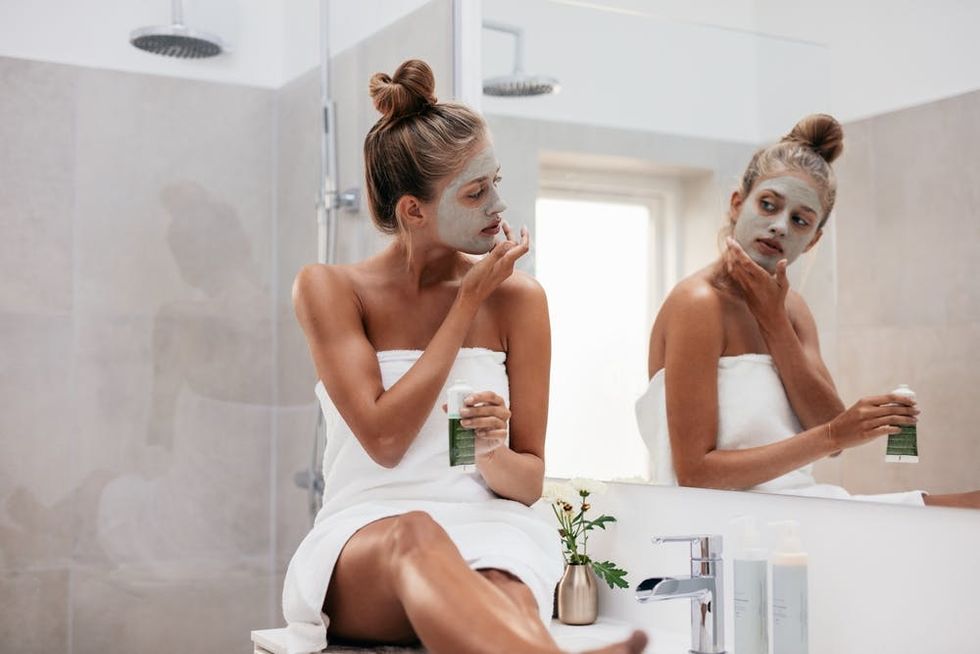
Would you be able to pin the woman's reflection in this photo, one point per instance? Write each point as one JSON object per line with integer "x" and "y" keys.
{"x": 739, "y": 396}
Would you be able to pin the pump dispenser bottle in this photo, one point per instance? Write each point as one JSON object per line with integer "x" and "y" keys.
{"x": 751, "y": 579}
{"x": 790, "y": 622}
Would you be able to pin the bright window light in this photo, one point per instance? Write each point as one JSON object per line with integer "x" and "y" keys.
{"x": 599, "y": 333}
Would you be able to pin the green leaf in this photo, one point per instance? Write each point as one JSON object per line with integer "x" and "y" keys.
{"x": 601, "y": 521}
{"x": 608, "y": 572}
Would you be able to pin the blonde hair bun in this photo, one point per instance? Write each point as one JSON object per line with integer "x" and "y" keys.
{"x": 821, "y": 133}
{"x": 409, "y": 91}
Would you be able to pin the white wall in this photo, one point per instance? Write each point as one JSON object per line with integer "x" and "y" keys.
{"x": 885, "y": 55}
{"x": 627, "y": 71}
{"x": 271, "y": 42}
{"x": 744, "y": 71}
{"x": 881, "y": 578}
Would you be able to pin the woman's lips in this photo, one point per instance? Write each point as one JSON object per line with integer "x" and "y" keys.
{"x": 768, "y": 246}
{"x": 491, "y": 230}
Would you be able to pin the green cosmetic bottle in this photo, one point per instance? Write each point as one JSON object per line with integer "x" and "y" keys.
{"x": 462, "y": 441}
{"x": 903, "y": 447}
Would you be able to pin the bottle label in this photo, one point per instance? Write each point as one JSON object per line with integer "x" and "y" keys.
{"x": 751, "y": 607}
{"x": 790, "y": 631}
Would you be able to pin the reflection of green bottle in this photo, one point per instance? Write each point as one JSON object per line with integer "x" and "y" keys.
{"x": 903, "y": 447}
{"x": 462, "y": 441}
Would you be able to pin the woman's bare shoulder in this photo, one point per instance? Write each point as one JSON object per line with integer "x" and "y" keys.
{"x": 693, "y": 295}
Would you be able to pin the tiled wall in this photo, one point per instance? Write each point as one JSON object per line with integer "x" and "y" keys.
{"x": 908, "y": 288}
{"x": 157, "y": 388}
{"x": 137, "y": 296}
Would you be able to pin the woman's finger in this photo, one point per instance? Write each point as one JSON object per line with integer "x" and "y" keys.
{"x": 482, "y": 397}
{"x": 507, "y": 233}
{"x": 893, "y": 420}
{"x": 781, "y": 272}
{"x": 487, "y": 422}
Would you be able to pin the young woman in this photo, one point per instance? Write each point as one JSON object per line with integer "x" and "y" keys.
{"x": 407, "y": 548}
{"x": 739, "y": 396}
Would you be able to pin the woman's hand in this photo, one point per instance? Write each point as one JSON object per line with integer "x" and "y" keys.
{"x": 765, "y": 293}
{"x": 486, "y": 414}
{"x": 871, "y": 417}
{"x": 498, "y": 264}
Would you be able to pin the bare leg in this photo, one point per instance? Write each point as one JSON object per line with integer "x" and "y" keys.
{"x": 969, "y": 500}
{"x": 402, "y": 578}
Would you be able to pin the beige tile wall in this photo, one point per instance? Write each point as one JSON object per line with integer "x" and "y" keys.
{"x": 908, "y": 242}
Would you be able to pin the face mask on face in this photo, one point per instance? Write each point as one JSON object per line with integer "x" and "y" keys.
{"x": 461, "y": 219}
{"x": 772, "y": 224}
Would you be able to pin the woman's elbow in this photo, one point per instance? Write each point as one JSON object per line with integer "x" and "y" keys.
{"x": 385, "y": 451}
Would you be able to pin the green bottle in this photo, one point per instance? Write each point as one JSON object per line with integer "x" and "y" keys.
{"x": 903, "y": 447}
{"x": 462, "y": 441}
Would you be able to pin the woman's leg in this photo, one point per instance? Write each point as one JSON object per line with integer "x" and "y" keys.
{"x": 402, "y": 577}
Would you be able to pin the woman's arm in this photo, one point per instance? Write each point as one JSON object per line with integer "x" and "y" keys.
{"x": 386, "y": 422}
{"x": 517, "y": 472}
{"x": 694, "y": 343}
{"x": 791, "y": 336}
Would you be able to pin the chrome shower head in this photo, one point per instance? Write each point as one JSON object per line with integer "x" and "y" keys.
{"x": 177, "y": 40}
{"x": 518, "y": 84}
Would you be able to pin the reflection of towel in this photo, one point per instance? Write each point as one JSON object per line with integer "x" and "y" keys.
{"x": 488, "y": 531}
{"x": 753, "y": 410}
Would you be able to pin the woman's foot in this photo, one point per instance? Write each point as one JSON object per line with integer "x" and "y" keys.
{"x": 635, "y": 644}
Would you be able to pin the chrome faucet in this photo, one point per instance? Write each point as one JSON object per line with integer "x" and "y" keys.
{"x": 704, "y": 588}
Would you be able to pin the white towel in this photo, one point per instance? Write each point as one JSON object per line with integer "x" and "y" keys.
{"x": 489, "y": 532}
{"x": 753, "y": 410}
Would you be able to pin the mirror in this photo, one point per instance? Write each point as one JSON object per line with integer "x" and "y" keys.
{"x": 625, "y": 175}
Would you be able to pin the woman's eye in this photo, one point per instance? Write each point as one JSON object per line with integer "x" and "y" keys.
{"x": 767, "y": 205}
{"x": 802, "y": 222}
{"x": 476, "y": 196}
{"x": 497, "y": 180}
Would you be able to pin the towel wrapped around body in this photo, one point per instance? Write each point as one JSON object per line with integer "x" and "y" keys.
{"x": 490, "y": 532}
{"x": 753, "y": 410}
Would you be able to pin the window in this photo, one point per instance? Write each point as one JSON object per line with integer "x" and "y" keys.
{"x": 602, "y": 259}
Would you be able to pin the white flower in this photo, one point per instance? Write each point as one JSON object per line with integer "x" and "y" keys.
{"x": 559, "y": 492}
{"x": 590, "y": 486}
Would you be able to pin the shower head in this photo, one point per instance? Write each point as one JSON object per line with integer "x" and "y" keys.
{"x": 177, "y": 40}
{"x": 518, "y": 84}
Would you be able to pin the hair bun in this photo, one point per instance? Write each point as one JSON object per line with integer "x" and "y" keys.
{"x": 820, "y": 132}
{"x": 411, "y": 90}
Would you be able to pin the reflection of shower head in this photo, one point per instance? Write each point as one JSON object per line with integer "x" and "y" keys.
{"x": 176, "y": 40}
{"x": 518, "y": 83}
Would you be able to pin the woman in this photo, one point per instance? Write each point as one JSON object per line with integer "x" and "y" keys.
{"x": 739, "y": 396}
{"x": 405, "y": 548}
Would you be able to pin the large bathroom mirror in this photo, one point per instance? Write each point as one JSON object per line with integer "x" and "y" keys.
{"x": 624, "y": 177}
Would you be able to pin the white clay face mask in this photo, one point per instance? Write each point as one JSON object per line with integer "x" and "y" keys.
{"x": 770, "y": 224}
{"x": 461, "y": 220}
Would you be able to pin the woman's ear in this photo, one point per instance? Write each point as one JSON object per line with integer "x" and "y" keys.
{"x": 410, "y": 212}
{"x": 816, "y": 237}
{"x": 734, "y": 207}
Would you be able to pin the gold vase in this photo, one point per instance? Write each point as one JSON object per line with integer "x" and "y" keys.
{"x": 578, "y": 595}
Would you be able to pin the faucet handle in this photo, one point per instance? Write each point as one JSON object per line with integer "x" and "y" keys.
{"x": 703, "y": 546}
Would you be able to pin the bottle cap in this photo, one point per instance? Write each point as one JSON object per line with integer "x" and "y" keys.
{"x": 748, "y": 539}
{"x": 788, "y": 539}
{"x": 903, "y": 389}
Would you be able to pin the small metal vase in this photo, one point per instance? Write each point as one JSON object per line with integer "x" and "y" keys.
{"x": 578, "y": 595}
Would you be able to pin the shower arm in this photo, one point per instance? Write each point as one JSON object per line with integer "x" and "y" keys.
{"x": 177, "y": 12}
{"x": 517, "y": 33}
